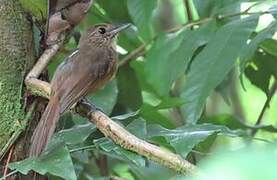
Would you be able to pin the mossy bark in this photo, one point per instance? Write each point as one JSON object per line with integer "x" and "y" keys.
{"x": 16, "y": 56}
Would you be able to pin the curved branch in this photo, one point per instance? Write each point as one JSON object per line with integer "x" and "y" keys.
{"x": 269, "y": 97}
{"x": 121, "y": 136}
{"x": 129, "y": 141}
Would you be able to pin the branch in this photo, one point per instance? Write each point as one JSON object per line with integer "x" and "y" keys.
{"x": 32, "y": 77}
{"x": 188, "y": 10}
{"x": 128, "y": 141}
{"x": 124, "y": 138}
{"x": 108, "y": 127}
{"x": 134, "y": 54}
{"x": 43, "y": 61}
{"x": 269, "y": 97}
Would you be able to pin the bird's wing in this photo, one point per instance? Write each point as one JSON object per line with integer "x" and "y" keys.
{"x": 87, "y": 77}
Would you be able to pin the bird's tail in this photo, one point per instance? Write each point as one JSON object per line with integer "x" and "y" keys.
{"x": 45, "y": 128}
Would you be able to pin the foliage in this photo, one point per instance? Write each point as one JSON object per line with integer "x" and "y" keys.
{"x": 166, "y": 94}
{"x": 236, "y": 165}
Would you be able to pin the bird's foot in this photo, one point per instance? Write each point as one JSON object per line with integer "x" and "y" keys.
{"x": 89, "y": 106}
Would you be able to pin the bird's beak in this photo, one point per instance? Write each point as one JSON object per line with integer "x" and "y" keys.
{"x": 115, "y": 30}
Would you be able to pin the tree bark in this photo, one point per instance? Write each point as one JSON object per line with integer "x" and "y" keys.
{"x": 17, "y": 56}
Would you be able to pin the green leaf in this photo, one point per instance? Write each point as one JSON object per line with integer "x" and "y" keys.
{"x": 184, "y": 138}
{"x": 137, "y": 127}
{"x": 224, "y": 120}
{"x": 153, "y": 170}
{"x": 170, "y": 55}
{"x": 273, "y": 11}
{"x": 128, "y": 97}
{"x": 159, "y": 64}
{"x": 116, "y": 10}
{"x": 261, "y": 70}
{"x": 213, "y": 63}
{"x": 191, "y": 42}
{"x": 151, "y": 115}
{"x": 77, "y": 134}
{"x": 126, "y": 116}
{"x": 224, "y": 88}
{"x": 234, "y": 123}
{"x": 208, "y": 8}
{"x": 106, "y": 97}
{"x": 37, "y": 8}
{"x": 235, "y": 164}
{"x": 206, "y": 145}
{"x": 249, "y": 50}
{"x": 141, "y": 12}
{"x": 139, "y": 67}
{"x": 56, "y": 162}
{"x": 170, "y": 102}
{"x": 123, "y": 170}
{"x": 270, "y": 46}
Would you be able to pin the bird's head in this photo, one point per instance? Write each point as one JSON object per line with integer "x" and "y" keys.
{"x": 102, "y": 35}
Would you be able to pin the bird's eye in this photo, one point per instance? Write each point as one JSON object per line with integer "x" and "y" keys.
{"x": 102, "y": 30}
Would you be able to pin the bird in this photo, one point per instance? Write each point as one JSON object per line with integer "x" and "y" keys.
{"x": 83, "y": 72}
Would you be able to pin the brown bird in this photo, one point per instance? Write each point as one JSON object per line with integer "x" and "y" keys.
{"x": 83, "y": 72}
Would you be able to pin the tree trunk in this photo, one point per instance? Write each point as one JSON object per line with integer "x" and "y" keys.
{"x": 17, "y": 55}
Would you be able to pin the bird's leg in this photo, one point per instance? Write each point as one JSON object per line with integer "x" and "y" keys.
{"x": 86, "y": 106}
{"x": 93, "y": 107}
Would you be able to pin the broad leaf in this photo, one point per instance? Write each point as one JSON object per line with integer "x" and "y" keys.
{"x": 137, "y": 127}
{"x": 106, "y": 97}
{"x": 115, "y": 10}
{"x": 234, "y": 123}
{"x": 244, "y": 163}
{"x": 273, "y": 10}
{"x": 170, "y": 102}
{"x": 211, "y": 66}
{"x": 57, "y": 162}
{"x": 77, "y": 134}
{"x": 129, "y": 89}
{"x": 125, "y": 116}
{"x": 139, "y": 67}
{"x": 261, "y": 70}
{"x": 169, "y": 57}
{"x": 141, "y": 12}
{"x": 184, "y": 138}
{"x": 212, "y": 7}
{"x": 151, "y": 115}
{"x": 270, "y": 46}
{"x": 160, "y": 65}
{"x": 153, "y": 170}
{"x": 249, "y": 50}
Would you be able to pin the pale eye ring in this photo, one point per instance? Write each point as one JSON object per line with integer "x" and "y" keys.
{"x": 102, "y": 30}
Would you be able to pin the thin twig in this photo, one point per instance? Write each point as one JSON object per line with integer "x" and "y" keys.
{"x": 188, "y": 10}
{"x": 141, "y": 49}
{"x": 8, "y": 161}
{"x": 132, "y": 55}
{"x": 8, "y": 175}
{"x": 267, "y": 102}
{"x": 82, "y": 148}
